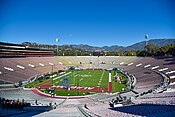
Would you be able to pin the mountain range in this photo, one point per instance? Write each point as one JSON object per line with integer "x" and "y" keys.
{"x": 136, "y": 46}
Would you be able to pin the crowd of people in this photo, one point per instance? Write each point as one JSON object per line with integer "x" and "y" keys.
{"x": 13, "y": 104}
{"x": 120, "y": 100}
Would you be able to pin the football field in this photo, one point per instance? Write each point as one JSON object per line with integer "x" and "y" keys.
{"x": 89, "y": 78}
{"x": 85, "y": 78}
{"x": 80, "y": 82}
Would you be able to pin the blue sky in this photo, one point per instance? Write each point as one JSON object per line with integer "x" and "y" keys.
{"x": 93, "y": 22}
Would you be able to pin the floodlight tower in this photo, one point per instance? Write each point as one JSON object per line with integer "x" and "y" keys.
{"x": 90, "y": 61}
{"x": 52, "y": 77}
{"x": 57, "y": 40}
{"x": 146, "y": 37}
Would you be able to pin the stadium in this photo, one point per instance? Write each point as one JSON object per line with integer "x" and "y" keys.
{"x": 87, "y": 58}
{"x": 50, "y": 85}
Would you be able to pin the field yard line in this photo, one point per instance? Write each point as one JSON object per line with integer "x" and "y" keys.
{"x": 62, "y": 75}
{"x": 102, "y": 76}
{"x": 87, "y": 80}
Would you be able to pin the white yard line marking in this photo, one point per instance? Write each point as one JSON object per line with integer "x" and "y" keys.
{"x": 87, "y": 80}
{"x": 81, "y": 79}
{"x": 62, "y": 75}
{"x": 101, "y": 77}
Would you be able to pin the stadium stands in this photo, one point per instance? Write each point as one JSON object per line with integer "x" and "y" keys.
{"x": 142, "y": 74}
{"x": 18, "y": 74}
{"x": 17, "y": 50}
{"x": 146, "y": 70}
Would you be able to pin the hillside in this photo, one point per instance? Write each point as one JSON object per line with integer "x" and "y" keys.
{"x": 137, "y": 46}
{"x": 156, "y": 42}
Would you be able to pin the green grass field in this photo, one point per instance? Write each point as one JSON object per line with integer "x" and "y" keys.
{"x": 91, "y": 78}
{"x": 83, "y": 78}
{"x": 86, "y": 78}
{"x": 68, "y": 93}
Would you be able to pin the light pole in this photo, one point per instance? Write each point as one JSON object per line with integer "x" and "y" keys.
{"x": 52, "y": 65}
{"x": 52, "y": 76}
{"x": 90, "y": 61}
{"x": 98, "y": 62}
{"x": 57, "y": 40}
{"x": 78, "y": 82}
{"x": 146, "y": 37}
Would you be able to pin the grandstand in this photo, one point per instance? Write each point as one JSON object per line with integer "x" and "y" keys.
{"x": 17, "y": 50}
{"x": 87, "y": 58}
{"x": 151, "y": 83}
{"x": 20, "y": 69}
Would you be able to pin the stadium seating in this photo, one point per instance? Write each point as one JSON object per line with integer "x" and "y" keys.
{"x": 133, "y": 110}
{"x": 26, "y": 72}
{"x": 144, "y": 69}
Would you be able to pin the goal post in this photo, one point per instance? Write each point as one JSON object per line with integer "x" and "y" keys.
{"x": 110, "y": 82}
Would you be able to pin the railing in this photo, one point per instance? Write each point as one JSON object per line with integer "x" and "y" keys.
{"x": 87, "y": 113}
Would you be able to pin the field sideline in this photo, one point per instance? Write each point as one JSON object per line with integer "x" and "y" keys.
{"x": 88, "y": 81}
{"x": 90, "y": 78}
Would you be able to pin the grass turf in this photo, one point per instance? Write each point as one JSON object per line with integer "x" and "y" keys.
{"x": 92, "y": 78}
{"x": 84, "y": 78}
